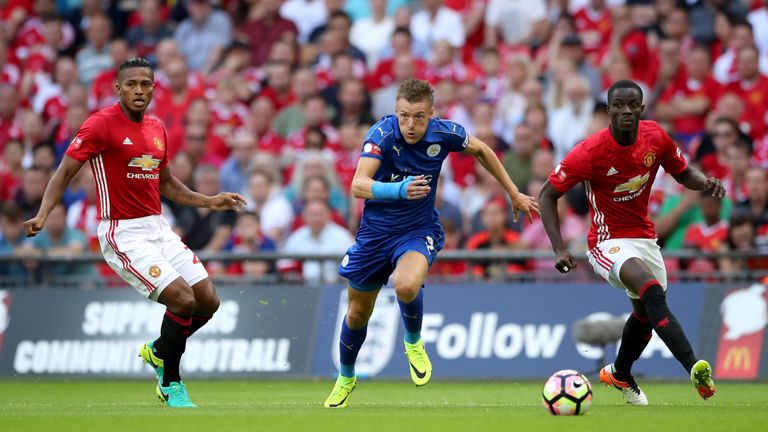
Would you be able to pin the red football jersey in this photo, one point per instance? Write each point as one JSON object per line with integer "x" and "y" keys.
{"x": 594, "y": 28}
{"x": 126, "y": 159}
{"x": 688, "y": 88}
{"x": 706, "y": 238}
{"x": 618, "y": 179}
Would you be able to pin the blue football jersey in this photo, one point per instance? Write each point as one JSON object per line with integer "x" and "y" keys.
{"x": 400, "y": 160}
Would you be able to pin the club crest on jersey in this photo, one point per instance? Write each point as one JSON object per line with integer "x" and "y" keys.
{"x": 154, "y": 271}
{"x": 158, "y": 143}
{"x": 433, "y": 150}
{"x": 649, "y": 159}
{"x": 145, "y": 162}
{"x": 371, "y": 148}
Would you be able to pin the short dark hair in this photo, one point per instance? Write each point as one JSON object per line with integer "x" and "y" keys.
{"x": 341, "y": 14}
{"x": 404, "y": 31}
{"x": 624, "y": 84}
{"x": 134, "y": 62}
{"x": 415, "y": 90}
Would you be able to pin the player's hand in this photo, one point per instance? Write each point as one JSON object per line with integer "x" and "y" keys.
{"x": 715, "y": 186}
{"x": 34, "y": 225}
{"x": 525, "y": 204}
{"x": 418, "y": 188}
{"x": 565, "y": 262}
{"x": 227, "y": 201}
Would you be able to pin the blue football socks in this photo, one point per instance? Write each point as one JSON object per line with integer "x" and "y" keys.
{"x": 412, "y": 314}
{"x": 350, "y": 342}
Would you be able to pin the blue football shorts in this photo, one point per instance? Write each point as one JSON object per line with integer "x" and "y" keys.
{"x": 372, "y": 259}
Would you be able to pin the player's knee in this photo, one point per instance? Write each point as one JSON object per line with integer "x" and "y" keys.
{"x": 207, "y": 305}
{"x": 357, "y": 317}
{"x": 207, "y": 302}
{"x": 407, "y": 286}
{"x": 183, "y": 303}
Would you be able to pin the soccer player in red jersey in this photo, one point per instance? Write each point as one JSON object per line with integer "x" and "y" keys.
{"x": 618, "y": 166}
{"x": 128, "y": 155}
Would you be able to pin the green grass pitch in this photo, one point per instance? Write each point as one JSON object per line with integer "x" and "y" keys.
{"x": 106, "y": 406}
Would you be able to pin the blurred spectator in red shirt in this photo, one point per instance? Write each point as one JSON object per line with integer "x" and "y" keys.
{"x": 752, "y": 88}
{"x": 196, "y": 139}
{"x": 630, "y": 41}
{"x": 278, "y": 88}
{"x": 68, "y": 127}
{"x": 11, "y": 170}
{"x": 593, "y": 22}
{"x": 102, "y": 93}
{"x": 247, "y": 237}
{"x": 267, "y": 29}
{"x": 317, "y": 118}
{"x": 711, "y": 151}
{"x": 171, "y": 103}
{"x": 709, "y": 235}
{"x": 756, "y": 203}
{"x": 315, "y": 188}
{"x": 261, "y": 123}
{"x": 401, "y": 44}
{"x": 494, "y": 236}
{"x": 675, "y": 26}
{"x": 686, "y": 101}
{"x": 227, "y": 115}
{"x": 51, "y": 97}
{"x": 9, "y": 72}
{"x": 291, "y": 118}
{"x": 739, "y": 158}
{"x": 144, "y": 37}
{"x": 726, "y": 67}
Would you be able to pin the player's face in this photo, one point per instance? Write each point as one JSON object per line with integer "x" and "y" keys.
{"x": 135, "y": 88}
{"x": 413, "y": 118}
{"x": 625, "y": 109}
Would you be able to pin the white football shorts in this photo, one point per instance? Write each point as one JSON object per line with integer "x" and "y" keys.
{"x": 608, "y": 257}
{"x": 147, "y": 254}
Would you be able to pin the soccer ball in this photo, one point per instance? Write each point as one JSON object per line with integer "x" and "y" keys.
{"x": 567, "y": 392}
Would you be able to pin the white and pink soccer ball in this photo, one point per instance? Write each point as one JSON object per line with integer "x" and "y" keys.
{"x": 567, "y": 392}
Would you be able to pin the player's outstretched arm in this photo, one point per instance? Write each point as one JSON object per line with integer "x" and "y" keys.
{"x": 551, "y": 219}
{"x": 488, "y": 159}
{"x": 176, "y": 191}
{"x": 53, "y": 193}
{"x": 365, "y": 187}
{"x": 694, "y": 179}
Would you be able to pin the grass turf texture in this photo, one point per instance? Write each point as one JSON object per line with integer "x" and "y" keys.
{"x": 61, "y": 406}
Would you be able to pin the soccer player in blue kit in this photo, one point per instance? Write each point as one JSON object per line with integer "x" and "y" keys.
{"x": 400, "y": 234}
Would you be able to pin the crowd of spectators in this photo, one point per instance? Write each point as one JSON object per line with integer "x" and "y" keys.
{"x": 272, "y": 99}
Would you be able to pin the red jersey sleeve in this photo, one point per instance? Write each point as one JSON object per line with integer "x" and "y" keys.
{"x": 164, "y": 162}
{"x": 575, "y": 168}
{"x": 673, "y": 161}
{"x": 89, "y": 141}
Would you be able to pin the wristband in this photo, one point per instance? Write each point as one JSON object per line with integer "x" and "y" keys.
{"x": 393, "y": 191}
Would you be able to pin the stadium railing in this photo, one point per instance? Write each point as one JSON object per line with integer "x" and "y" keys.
{"x": 47, "y": 272}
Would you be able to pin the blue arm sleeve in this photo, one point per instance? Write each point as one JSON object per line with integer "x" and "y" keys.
{"x": 396, "y": 190}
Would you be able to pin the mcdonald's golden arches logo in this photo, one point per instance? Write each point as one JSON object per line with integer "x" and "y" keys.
{"x": 738, "y": 358}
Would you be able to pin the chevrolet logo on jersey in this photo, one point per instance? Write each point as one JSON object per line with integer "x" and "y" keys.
{"x": 634, "y": 184}
{"x": 145, "y": 162}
